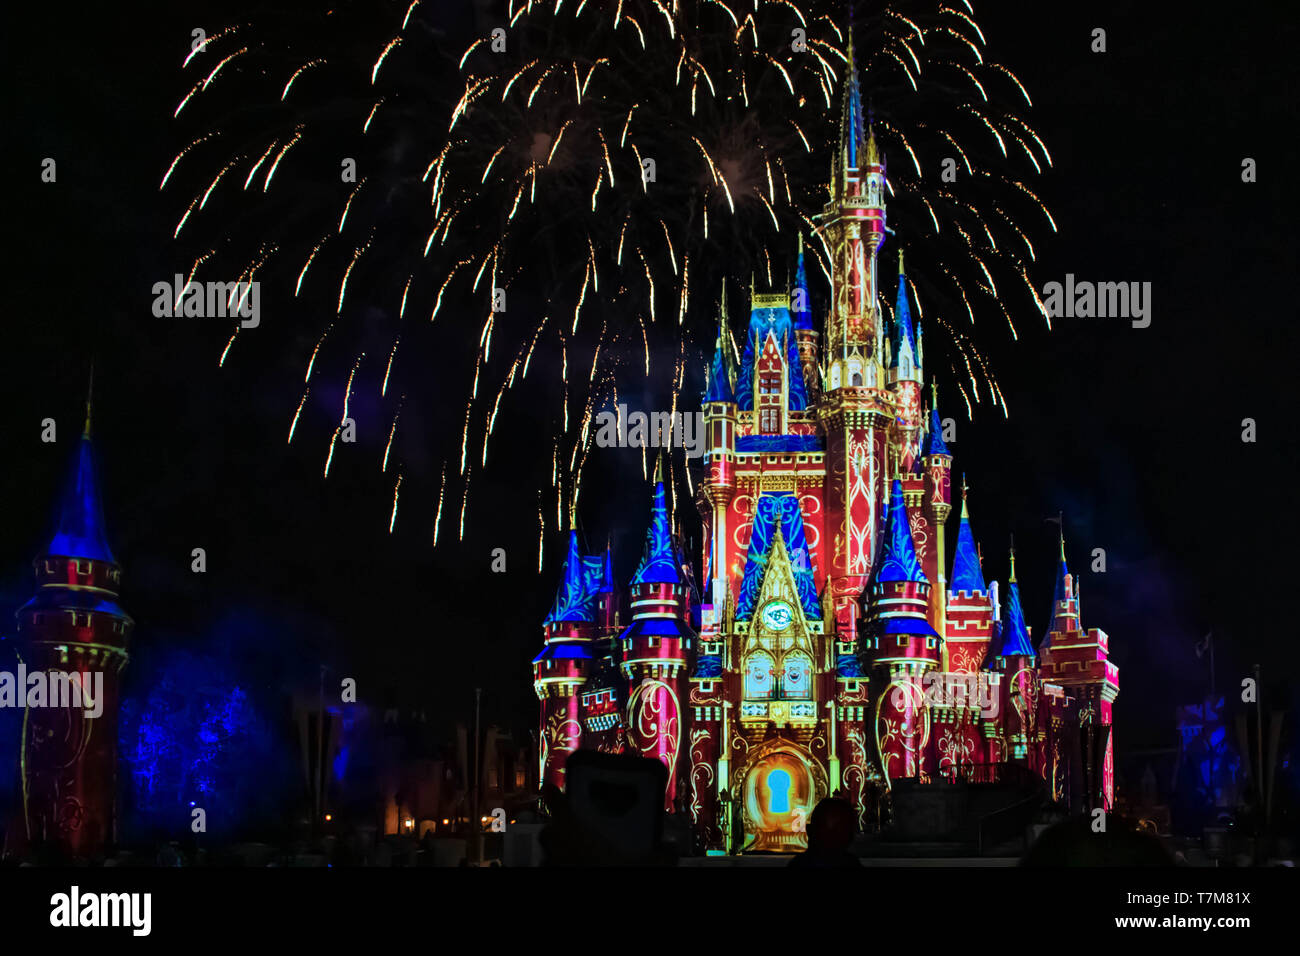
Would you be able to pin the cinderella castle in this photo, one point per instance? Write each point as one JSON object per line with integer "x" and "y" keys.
{"x": 840, "y": 645}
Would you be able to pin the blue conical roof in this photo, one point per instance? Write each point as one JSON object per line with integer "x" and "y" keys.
{"x": 902, "y": 323}
{"x": 966, "y": 572}
{"x": 659, "y": 566}
{"x": 1015, "y": 637}
{"x": 937, "y": 446}
{"x": 898, "y": 561}
{"x": 1058, "y": 595}
{"x": 721, "y": 386}
{"x": 79, "y": 525}
{"x": 802, "y": 316}
{"x": 573, "y": 600}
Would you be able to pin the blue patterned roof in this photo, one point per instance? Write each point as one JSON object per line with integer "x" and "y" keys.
{"x": 802, "y": 317}
{"x": 576, "y": 598}
{"x": 721, "y": 385}
{"x": 79, "y": 531}
{"x": 1015, "y": 638}
{"x": 966, "y": 572}
{"x": 779, "y": 323}
{"x": 936, "y": 445}
{"x": 902, "y": 324}
{"x": 848, "y": 665}
{"x": 778, "y": 510}
{"x": 659, "y": 565}
{"x": 898, "y": 560}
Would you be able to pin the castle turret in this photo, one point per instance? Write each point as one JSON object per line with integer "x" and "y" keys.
{"x": 1015, "y": 662}
{"x": 655, "y": 647}
{"x": 563, "y": 666}
{"x": 1079, "y": 661}
{"x": 72, "y": 646}
{"x": 903, "y": 646}
{"x": 969, "y": 609}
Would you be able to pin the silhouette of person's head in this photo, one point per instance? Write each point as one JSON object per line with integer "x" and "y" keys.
{"x": 831, "y": 826}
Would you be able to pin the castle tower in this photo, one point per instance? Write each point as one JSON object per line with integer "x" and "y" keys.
{"x": 969, "y": 607}
{"x": 561, "y": 670}
{"x": 655, "y": 647}
{"x": 904, "y": 649}
{"x": 855, "y": 411}
{"x": 1016, "y": 663}
{"x": 75, "y": 634}
{"x": 938, "y": 498}
{"x": 1079, "y": 661}
{"x": 719, "y": 484}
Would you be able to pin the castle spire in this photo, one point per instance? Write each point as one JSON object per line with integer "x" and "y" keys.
{"x": 90, "y": 395}
{"x": 904, "y": 358}
{"x": 937, "y": 446}
{"x": 800, "y": 307}
{"x": 966, "y": 572}
{"x": 899, "y": 561}
{"x": 659, "y": 564}
{"x": 851, "y": 133}
{"x": 1015, "y": 636}
{"x": 79, "y": 523}
{"x": 1064, "y": 616}
{"x": 572, "y": 600}
{"x": 721, "y": 385}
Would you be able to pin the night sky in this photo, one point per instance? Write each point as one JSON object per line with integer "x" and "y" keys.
{"x": 1135, "y": 434}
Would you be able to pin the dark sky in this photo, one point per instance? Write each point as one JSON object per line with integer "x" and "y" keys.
{"x": 1134, "y": 433}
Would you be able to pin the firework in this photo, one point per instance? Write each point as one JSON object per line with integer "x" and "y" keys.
{"x": 564, "y": 179}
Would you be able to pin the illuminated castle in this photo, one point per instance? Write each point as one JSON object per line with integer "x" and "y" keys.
{"x": 831, "y": 650}
{"x": 74, "y": 626}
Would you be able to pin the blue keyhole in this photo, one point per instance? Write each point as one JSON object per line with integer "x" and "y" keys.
{"x": 778, "y": 781}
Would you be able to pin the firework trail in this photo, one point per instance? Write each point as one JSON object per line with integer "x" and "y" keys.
{"x": 572, "y": 181}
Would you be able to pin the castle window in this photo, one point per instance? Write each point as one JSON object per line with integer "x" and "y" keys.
{"x": 796, "y": 677}
{"x": 759, "y": 674}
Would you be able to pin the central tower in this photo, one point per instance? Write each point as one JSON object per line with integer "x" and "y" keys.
{"x": 856, "y": 409}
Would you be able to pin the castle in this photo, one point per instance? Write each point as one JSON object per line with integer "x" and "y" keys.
{"x": 72, "y": 629}
{"x": 831, "y": 651}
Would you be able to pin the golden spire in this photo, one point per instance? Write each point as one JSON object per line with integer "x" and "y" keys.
{"x": 659, "y": 468}
{"x": 90, "y": 394}
{"x": 900, "y": 260}
{"x": 1012, "y": 579}
{"x": 963, "y": 495}
{"x": 1060, "y": 521}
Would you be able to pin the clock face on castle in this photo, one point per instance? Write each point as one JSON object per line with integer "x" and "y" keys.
{"x": 777, "y": 615}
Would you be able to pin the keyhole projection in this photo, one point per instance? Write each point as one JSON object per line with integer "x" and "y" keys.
{"x": 778, "y": 782}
